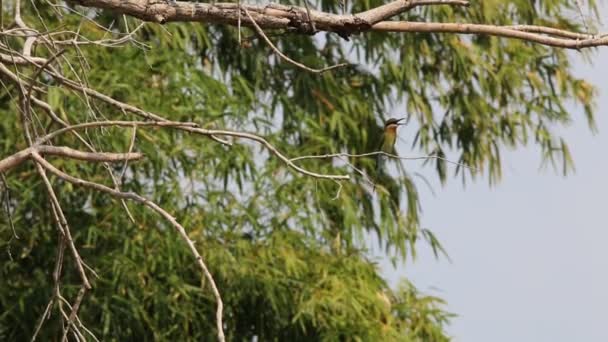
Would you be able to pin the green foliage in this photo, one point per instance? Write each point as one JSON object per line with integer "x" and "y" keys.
{"x": 288, "y": 252}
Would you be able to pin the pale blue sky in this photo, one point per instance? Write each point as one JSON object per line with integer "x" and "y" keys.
{"x": 530, "y": 255}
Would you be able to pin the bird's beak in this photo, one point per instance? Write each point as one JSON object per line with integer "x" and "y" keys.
{"x": 401, "y": 123}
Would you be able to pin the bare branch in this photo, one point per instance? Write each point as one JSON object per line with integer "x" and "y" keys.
{"x": 140, "y": 199}
{"x": 283, "y": 56}
{"x": 107, "y": 99}
{"x": 56, "y": 277}
{"x": 131, "y": 146}
{"x": 392, "y": 156}
{"x": 28, "y": 95}
{"x": 18, "y": 20}
{"x": 116, "y": 123}
{"x": 29, "y": 41}
{"x": 190, "y": 127}
{"x": 498, "y": 31}
{"x": 74, "y": 311}
{"x": 298, "y": 19}
{"x": 87, "y": 156}
{"x": 550, "y": 31}
{"x": 4, "y": 58}
{"x": 43, "y": 318}
{"x": 61, "y": 220}
{"x": 64, "y": 151}
{"x": 397, "y": 7}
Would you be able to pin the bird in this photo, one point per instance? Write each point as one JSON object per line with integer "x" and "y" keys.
{"x": 387, "y": 143}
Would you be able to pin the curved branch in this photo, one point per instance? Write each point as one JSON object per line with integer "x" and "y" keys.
{"x": 117, "y": 123}
{"x": 395, "y": 8}
{"x": 283, "y": 56}
{"x": 193, "y": 128}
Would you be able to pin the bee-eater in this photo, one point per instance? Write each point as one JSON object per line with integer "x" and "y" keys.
{"x": 387, "y": 143}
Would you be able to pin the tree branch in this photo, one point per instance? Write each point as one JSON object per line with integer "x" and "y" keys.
{"x": 137, "y": 198}
{"x": 574, "y": 41}
{"x": 381, "y": 153}
{"x": 64, "y": 151}
{"x": 193, "y": 128}
{"x": 282, "y": 55}
{"x": 298, "y": 19}
{"x": 395, "y": 8}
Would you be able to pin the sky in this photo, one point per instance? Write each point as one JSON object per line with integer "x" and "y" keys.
{"x": 530, "y": 254}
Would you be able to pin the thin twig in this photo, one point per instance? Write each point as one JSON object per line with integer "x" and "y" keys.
{"x": 393, "y": 156}
{"x": 43, "y": 318}
{"x": 583, "y": 18}
{"x": 56, "y": 277}
{"x": 116, "y": 123}
{"x": 194, "y": 129}
{"x": 359, "y": 171}
{"x": 312, "y": 23}
{"x": 102, "y": 97}
{"x": 28, "y": 96}
{"x": 490, "y": 30}
{"x": 7, "y": 202}
{"x": 121, "y": 177}
{"x": 62, "y": 218}
{"x": 283, "y": 56}
{"x": 131, "y": 146}
{"x": 238, "y": 25}
{"x": 74, "y": 312}
{"x": 337, "y": 192}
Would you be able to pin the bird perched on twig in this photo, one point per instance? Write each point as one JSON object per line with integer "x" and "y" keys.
{"x": 387, "y": 143}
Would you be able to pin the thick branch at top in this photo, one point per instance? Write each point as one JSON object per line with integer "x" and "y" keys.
{"x": 276, "y": 16}
{"x": 270, "y": 16}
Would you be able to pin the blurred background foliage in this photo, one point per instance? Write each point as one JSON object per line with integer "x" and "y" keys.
{"x": 289, "y": 252}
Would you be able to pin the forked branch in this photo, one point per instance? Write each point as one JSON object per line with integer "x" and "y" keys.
{"x": 168, "y": 217}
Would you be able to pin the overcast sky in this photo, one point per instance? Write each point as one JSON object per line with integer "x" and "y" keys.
{"x": 530, "y": 255}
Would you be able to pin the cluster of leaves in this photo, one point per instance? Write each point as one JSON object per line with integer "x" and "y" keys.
{"x": 288, "y": 251}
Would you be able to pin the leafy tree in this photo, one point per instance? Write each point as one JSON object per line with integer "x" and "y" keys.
{"x": 217, "y": 113}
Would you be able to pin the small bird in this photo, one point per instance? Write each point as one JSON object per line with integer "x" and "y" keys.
{"x": 387, "y": 143}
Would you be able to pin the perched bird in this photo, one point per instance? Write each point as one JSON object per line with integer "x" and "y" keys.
{"x": 387, "y": 143}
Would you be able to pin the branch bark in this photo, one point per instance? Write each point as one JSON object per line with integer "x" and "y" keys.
{"x": 64, "y": 151}
{"x": 297, "y": 19}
